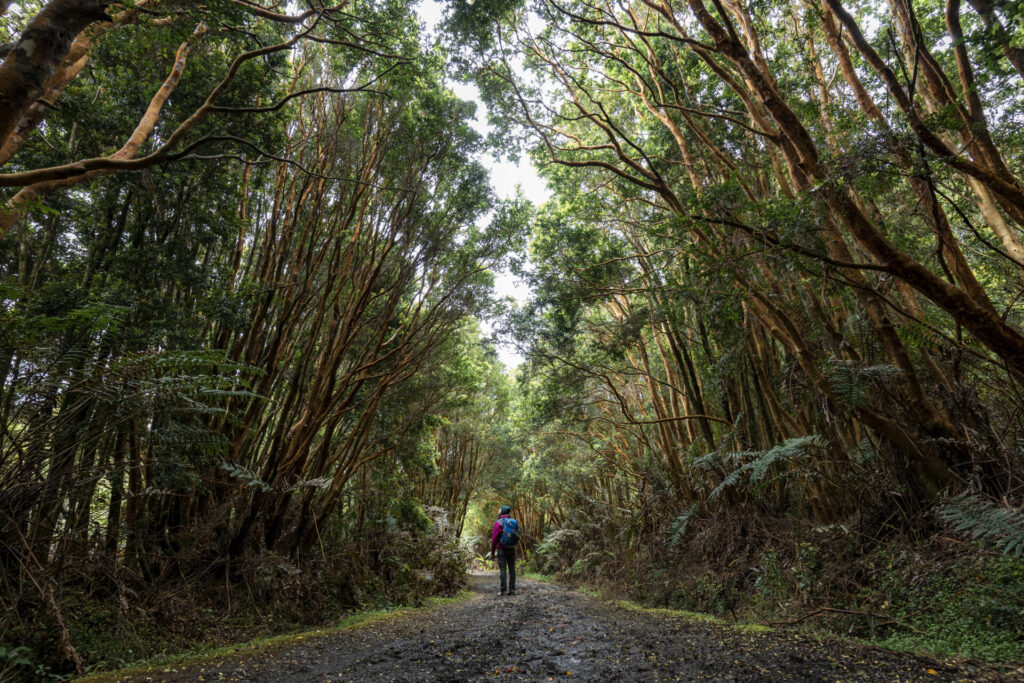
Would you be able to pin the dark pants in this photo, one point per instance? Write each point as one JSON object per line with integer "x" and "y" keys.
{"x": 507, "y": 557}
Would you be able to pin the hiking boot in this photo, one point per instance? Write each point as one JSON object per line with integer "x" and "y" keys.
{"x": 501, "y": 592}
{"x": 512, "y": 592}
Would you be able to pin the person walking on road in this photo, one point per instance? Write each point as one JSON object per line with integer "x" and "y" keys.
{"x": 504, "y": 539}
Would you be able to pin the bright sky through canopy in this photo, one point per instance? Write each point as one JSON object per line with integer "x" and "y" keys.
{"x": 505, "y": 177}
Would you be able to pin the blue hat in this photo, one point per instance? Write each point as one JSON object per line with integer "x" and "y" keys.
{"x": 505, "y": 509}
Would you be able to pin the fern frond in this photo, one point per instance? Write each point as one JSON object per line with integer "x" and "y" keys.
{"x": 790, "y": 449}
{"x": 985, "y": 521}
{"x": 677, "y": 529}
{"x": 864, "y": 452}
{"x": 734, "y": 478}
{"x": 245, "y": 476}
{"x": 851, "y": 382}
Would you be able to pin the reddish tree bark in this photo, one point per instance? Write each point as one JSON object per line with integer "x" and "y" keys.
{"x": 38, "y": 54}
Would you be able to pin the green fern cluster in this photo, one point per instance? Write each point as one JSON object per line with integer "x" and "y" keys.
{"x": 755, "y": 469}
{"x": 985, "y": 521}
{"x": 851, "y": 382}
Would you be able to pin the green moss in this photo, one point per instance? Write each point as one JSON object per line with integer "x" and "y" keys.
{"x": 693, "y": 616}
{"x": 537, "y": 576}
{"x": 685, "y": 614}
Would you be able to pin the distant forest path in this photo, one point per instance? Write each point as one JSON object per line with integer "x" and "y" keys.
{"x": 549, "y": 632}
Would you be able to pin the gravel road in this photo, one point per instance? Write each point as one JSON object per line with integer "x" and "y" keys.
{"x": 552, "y": 633}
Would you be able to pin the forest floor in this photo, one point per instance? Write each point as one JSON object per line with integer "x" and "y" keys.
{"x": 548, "y": 632}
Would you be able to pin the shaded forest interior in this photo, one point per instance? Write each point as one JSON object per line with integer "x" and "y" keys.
{"x": 774, "y": 342}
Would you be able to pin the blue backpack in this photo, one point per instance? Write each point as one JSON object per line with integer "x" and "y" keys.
{"x": 509, "y": 532}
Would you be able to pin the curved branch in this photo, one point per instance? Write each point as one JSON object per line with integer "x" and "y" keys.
{"x": 130, "y": 148}
{"x": 308, "y": 91}
{"x": 158, "y": 155}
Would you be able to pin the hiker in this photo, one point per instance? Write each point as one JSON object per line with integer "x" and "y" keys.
{"x": 504, "y": 539}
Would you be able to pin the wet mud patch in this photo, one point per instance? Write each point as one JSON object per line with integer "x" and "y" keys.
{"x": 551, "y": 633}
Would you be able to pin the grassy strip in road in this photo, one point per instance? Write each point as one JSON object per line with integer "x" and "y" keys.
{"x": 745, "y": 627}
{"x": 555, "y": 581}
{"x": 165, "y": 662}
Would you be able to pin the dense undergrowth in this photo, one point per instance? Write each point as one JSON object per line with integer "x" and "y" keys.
{"x": 404, "y": 557}
{"x": 934, "y": 595}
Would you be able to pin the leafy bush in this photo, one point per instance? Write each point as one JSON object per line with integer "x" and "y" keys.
{"x": 16, "y": 663}
{"x": 968, "y": 610}
{"x": 558, "y": 551}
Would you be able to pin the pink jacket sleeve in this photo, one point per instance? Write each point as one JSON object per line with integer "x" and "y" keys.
{"x": 495, "y": 535}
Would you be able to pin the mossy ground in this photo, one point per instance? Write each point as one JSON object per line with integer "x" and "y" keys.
{"x": 743, "y": 627}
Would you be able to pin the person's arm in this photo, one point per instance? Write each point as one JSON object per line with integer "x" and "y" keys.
{"x": 495, "y": 535}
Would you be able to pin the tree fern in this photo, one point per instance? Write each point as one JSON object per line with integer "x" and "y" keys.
{"x": 677, "y": 529}
{"x": 864, "y": 452}
{"x": 790, "y": 450}
{"x": 245, "y": 476}
{"x": 985, "y": 521}
{"x": 732, "y": 479}
{"x": 851, "y": 382}
{"x": 321, "y": 483}
{"x": 716, "y": 459}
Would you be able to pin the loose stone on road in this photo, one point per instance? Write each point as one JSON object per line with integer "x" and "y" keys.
{"x": 551, "y": 633}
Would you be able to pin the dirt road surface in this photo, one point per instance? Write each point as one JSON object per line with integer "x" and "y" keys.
{"x": 552, "y": 633}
